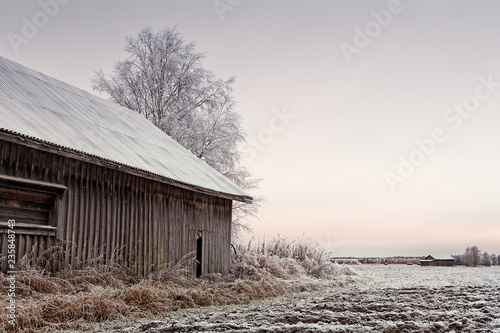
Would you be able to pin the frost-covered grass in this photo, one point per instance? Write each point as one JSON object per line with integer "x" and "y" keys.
{"x": 84, "y": 299}
{"x": 403, "y": 276}
{"x": 286, "y": 259}
{"x": 389, "y": 299}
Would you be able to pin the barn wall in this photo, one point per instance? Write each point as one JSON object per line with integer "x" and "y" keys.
{"x": 438, "y": 262}
{"x": 109, "y": 215}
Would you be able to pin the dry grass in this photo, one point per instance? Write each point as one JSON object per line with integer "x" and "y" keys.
{"x": 286, "y": 259}
{"x": 78, "y": 298}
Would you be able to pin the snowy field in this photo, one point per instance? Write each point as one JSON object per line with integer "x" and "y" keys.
{"x": 379, "y": 299}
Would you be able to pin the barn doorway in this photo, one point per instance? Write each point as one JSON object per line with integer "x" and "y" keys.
{"x": 199, "y": 256}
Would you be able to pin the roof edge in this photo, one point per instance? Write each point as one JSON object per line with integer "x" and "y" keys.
{"x": 36, "y": 143}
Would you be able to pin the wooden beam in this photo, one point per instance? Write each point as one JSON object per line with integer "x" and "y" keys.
{"x": 29, "y": 229}
{"x": 32, "y": 185}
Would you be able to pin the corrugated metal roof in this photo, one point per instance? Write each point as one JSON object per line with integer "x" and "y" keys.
{"x": 43, "y": 108}
{"x": 440, "y": 257}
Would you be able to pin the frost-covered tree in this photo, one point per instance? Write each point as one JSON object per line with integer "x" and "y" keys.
{"x": 486, "y": 261}
{"x": 163, "y": 79}
{"x": 494, "y": 259}
{"x": 459, "y": 259}
{"x": 467, "y": 257}
{"x": 472, "y": 256}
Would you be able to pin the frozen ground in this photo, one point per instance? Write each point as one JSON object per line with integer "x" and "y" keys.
{"x": 380, "y": 299}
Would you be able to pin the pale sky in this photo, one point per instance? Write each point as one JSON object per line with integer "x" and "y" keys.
{"x": 374, "y": 124}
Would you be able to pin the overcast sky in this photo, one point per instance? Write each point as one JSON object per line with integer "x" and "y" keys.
{"x": 374, "y": 124}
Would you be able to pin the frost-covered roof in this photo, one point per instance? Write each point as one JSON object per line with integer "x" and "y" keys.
{"x": 440, "y": 257}
{"x": 40, "y": 107}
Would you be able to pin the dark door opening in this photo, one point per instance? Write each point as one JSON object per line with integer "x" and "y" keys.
{"x": 199, "y": 256}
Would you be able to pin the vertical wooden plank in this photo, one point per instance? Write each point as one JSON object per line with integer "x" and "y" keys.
{"x": 140, "y": 229}
{"x": 180, "y": 241}
{"x": 35, "y": 246}
{"x": 89, "y": 222}
{"x": 113, "y": 220}
{"x": 28, "y": 246}
{"x": 118, "y": 207}
{"x": 99, "y": 246}
{"x": 160, "y": 251}
{"x": 2, "y": 159}
{"x": 12, "y": 159}
{"x": 176, "y": 222}
{"x": 91, "y": 218}
{"x": 82, "y": 225}
{"x": 46, "y": 167}
{"x": 126, "y": 218}
{"x": 149, "y": 245}
{"x": 30, "y": 164}
{"x": 229, "y": 233}
{"x": 132, "y": 237}
{"x": 23, "y": 163}
{"x": 145, "y": 226}
{"x": 60, "y": 208}
{"x": 4, "y": 252}
{"x": 166, "y": 219}
{"x": 109, "y": 188}
{"x": 153, "y": 230}
{"x": 99, "y": 214}
{"x": 35, "y": 166}
{"x": 69, "y": 212}
{"x": 144, "y": 229}
{"x": 17, "y": 166}
{"x": 20, "y": 247}
{"x": 137, "y": 226}
{"x": 54, "y": 167}
{"x": 76, "y": 213}
{"x": 59, "y": 169}
{"x": 170, "y": 231}
{"x": 122, "y": 216}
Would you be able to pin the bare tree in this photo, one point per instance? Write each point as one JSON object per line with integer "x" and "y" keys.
{"x": 163, "y": 79}
{"x": 459, "y": 259}
{"x": 467, "y": 257}
{"x": 486, "y": 260}
{"x": 494, "y": 259}
{"x": 472, "y": 256}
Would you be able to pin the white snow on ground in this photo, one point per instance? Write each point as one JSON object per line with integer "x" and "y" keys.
{"x": 380, "y": 299}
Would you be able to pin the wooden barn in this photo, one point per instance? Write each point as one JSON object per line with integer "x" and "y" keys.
{"x": 438, "y": 260}
{"x": 100, "y": 182}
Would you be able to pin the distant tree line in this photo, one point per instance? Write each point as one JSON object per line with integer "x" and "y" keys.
{"x": 473, "y": 257}
{"x": 398, "y": 260}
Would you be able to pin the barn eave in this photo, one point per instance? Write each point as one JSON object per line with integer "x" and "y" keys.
{"x": 36, "y": 143}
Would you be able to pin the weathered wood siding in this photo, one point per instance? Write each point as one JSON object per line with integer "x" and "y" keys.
{"x": 109, "y": 214}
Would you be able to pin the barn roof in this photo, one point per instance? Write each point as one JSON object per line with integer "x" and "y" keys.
{"x": 440, "y": 257}
{"x": 38, "y": 107}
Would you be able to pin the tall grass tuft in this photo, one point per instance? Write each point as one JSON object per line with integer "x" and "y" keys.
{"x": 285, "y": 258}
